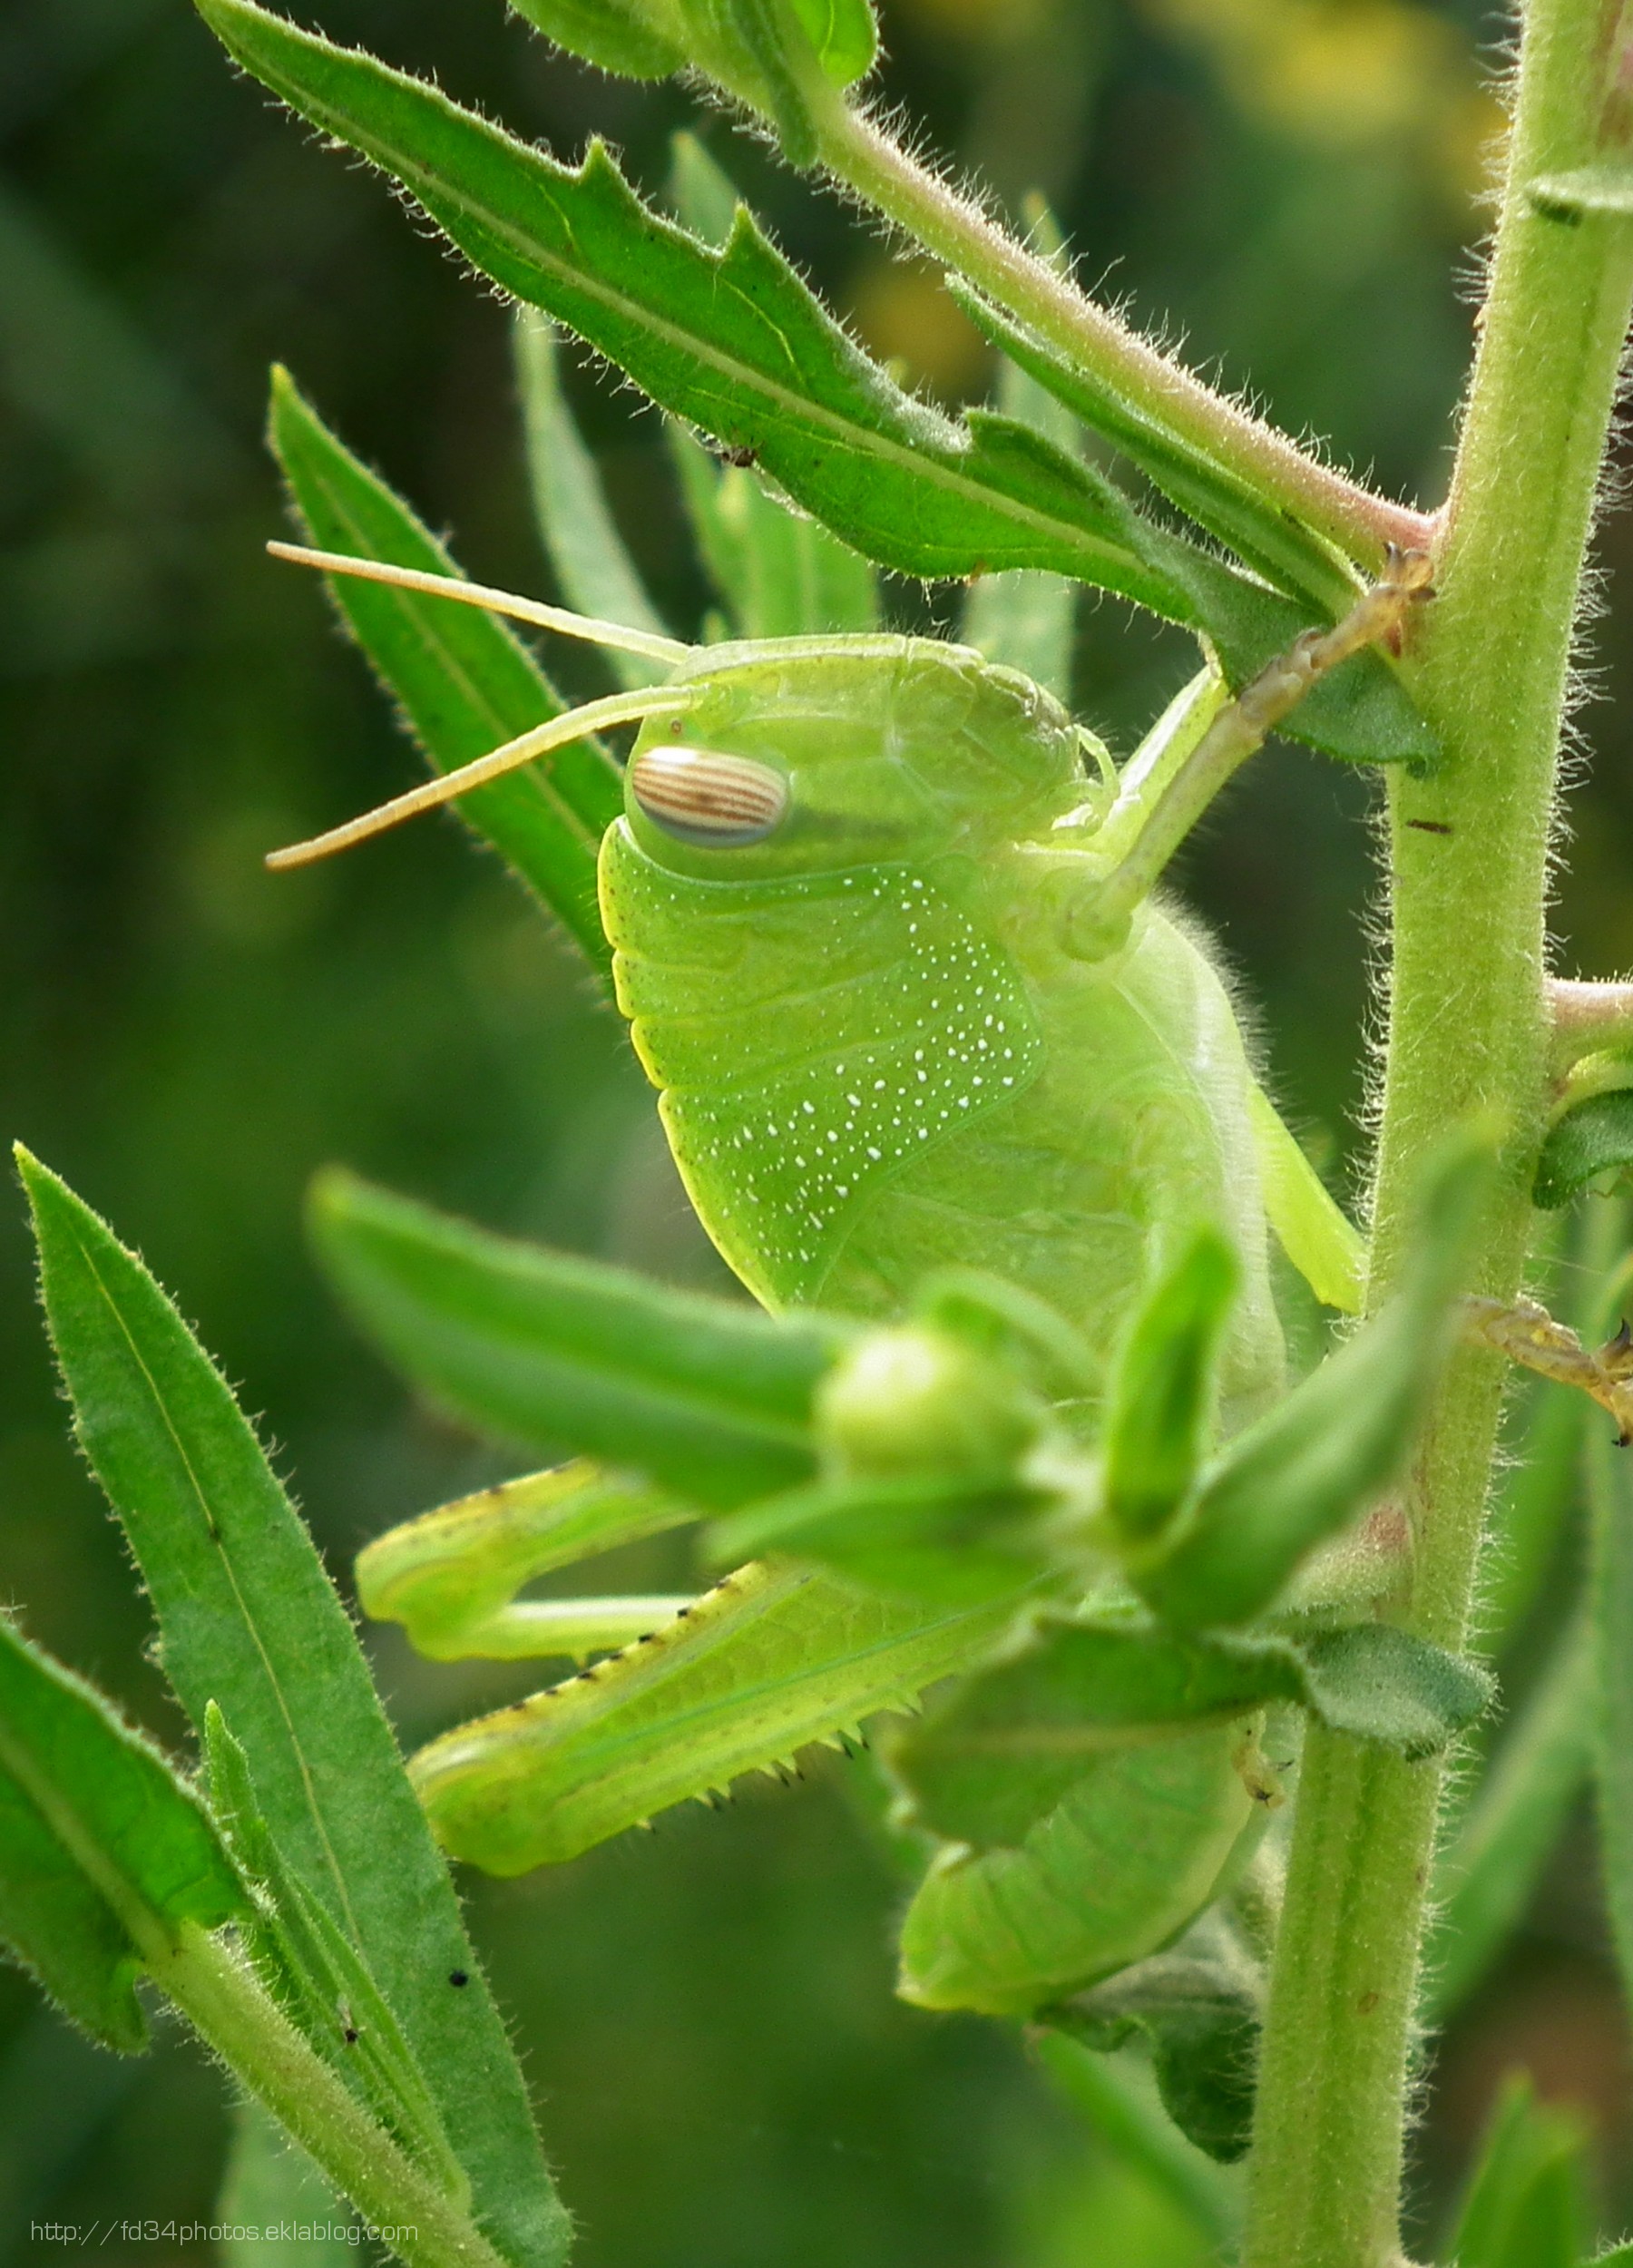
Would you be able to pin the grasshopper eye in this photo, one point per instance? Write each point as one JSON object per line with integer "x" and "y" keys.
{"x": 699, "y": 795}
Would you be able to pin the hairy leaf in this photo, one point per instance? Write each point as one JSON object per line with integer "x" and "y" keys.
{"x": 450, "y": 1577}
{"x": 780, "y": 572}
{"x": 771, "y": 1659}
{"x": 106, "y": 1854}
{"x": 709, "y": 1397}
{"x": 248, "y": 1617}
{"x": 467, "y": 683}
{"x": 268, "y": 2184}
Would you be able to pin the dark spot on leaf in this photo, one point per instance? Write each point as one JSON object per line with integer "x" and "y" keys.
{"x": 1367, "y": 2002}
{"x": 1429, "y": 826}
{"x": 458, "y": 1978}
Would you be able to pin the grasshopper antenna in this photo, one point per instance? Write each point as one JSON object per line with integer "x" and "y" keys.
{"x": 558, "y": 618}
{"x": 556, "y": 732}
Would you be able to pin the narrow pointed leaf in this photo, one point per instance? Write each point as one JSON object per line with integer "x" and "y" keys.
{"x": 1163, "y": 1393}
{"x": 771, "y": 1659}
{"x": 1610, "y": 1499}
{"x": 709, "y": 1397}
{"x": 104, "y": 1854}
{"x": 450, "y": 1577}
{"x": 467, "y": 683}
{"x": 248, "y": 1617}
{"x": 580, "y": 537}
{"x": 1526, "y": 2206}
{"x": 1312, "y": 1464}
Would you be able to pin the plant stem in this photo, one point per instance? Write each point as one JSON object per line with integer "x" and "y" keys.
{"x": 1468, "y": 1030}
{"x": 215, "y": 1988}
{"x": 858, "y": 151}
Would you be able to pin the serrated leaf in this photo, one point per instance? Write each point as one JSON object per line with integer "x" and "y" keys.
{"x": 734, "y": 342}
{"x": 580, "y": 535}
{"x": 450, "y": 1577}
{"x": 1163, "y": 1389}
{"x": 1589, "y": 1138}
{"x": 1199, "y": 2009}
{"x": 1308, "y": 1467}
{"x": 106, "y": 1854}
{"x": 1132, "y": 1851}
{"x": 466, "y": 682}
{"x": 1526, "y": 2206}
{"x": 248, "y": 1617}
{"x": 773, "y": 1658}
{"x": 709, "y": 1397}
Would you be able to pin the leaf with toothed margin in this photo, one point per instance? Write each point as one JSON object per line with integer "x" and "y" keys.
{"x": 773, "y": 1658}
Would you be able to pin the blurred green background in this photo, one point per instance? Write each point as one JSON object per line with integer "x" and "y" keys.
{"x": 1293, "y": 186}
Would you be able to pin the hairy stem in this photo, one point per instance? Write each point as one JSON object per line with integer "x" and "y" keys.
{"x": 215, "y": 1987}
{"x": 1468, "y": 1030}
{"x": 859, "y": 153}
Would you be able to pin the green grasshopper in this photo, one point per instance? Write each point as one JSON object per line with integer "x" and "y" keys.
{"x": 884, "y": 929}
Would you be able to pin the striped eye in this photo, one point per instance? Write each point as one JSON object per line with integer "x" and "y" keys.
{"x": 699, "y": 795}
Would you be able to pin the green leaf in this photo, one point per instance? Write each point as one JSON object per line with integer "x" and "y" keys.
{"x": 1163, "y": 1390}
{"x": 106, "y": 1854}
{"x": 1276, "y": 546}
{"x": 734, "y": 342}
{"x": 1486, "y": 1876}
{"x": 1607, "y": 188}
{"x": 269, "y": 2184}
{"x": 985, "y": 1763}
{"x": 450, "y": 1577}
{"x": 618, "y": 36}
{"x": 467, "y": 683}
{"x": 773, "y": 1658}
{"x": 844, "y": 33}
{"x": 779, "y": 572}
{"x": 1309, "y": 1466}
{"x": 248, "y": 1617}
{"x": 708, "y": 1396}
{"x": 319, "y": 1978}
{"x": 1526, "y": 2206}
{"x": 1136, "y": 1846}
{"x": 1590, "y": 1138}
{"x": 1199, "y": 2008}
{"x": 580, "y": 537}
